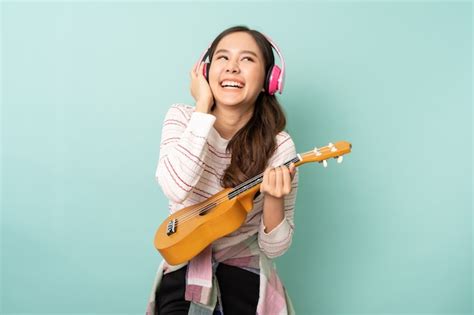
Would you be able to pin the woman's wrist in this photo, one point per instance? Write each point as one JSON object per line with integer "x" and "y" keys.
{"x": 273, "y": 211}
{"x": 203, "y": 107}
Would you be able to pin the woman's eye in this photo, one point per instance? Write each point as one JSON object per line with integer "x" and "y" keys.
{"x": 250, "y": 59}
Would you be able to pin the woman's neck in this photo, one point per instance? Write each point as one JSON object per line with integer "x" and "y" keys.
{"x": 229, "y": 119}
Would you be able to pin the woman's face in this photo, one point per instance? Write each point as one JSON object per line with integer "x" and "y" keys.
{"x": 237, "y": 59}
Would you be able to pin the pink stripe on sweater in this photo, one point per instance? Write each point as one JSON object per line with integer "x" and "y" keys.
{"x": 176, "y": 174}
{"x": 182, "y": 112}
{"x": 197, "y": 159}
{"x": 174, "y": 122}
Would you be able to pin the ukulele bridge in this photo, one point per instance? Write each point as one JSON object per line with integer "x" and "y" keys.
{"x": 171, "y": 229}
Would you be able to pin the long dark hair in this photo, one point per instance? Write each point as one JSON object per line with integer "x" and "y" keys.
{"x": 254, "y": 143}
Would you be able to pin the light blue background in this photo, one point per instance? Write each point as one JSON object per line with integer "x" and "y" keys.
{"x": 85, "y": 87}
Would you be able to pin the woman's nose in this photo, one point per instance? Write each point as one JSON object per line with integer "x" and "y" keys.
{"x": 232, "y": 66}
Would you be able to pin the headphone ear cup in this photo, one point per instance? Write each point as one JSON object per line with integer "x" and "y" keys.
{"x": 272, "y": 79}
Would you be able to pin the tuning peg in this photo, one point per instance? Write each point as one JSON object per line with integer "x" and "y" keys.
{"x": 339, "y": 159}
{"x": 333, "y": 149}
{"x": 330, "y": 145}
{"x": 325, "y": 163}
{"x": 316, "y": 151}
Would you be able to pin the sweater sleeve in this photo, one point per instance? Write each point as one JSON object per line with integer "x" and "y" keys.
{"x": 183, "y": 148}
{"x": 277, "y": 241}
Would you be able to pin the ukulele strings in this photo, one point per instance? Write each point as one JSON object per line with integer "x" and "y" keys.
{"x": 239, "y": 188}
{"x": 188, "y": 216}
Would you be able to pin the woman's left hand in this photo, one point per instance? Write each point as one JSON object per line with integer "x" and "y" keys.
{"x": 277, "y": 181}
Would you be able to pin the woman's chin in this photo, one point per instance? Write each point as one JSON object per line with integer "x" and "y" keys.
{"x": 228, "y": 99}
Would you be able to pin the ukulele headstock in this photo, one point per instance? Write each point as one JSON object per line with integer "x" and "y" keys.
{"x": 321, "y": 154}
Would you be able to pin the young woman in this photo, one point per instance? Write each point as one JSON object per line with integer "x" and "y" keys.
{"x": 234, "y": 132}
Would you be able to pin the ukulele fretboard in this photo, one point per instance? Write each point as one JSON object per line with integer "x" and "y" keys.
{"x": 255, "y": 181}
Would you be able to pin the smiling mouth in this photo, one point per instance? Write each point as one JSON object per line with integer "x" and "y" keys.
{"x": 231, "y": 89}
{"x": 231, "y": 84}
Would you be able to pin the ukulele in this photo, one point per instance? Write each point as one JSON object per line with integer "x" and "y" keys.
{"x": 185, "y": 233}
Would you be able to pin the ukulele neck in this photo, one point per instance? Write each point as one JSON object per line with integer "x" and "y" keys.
{"x": 257, "y": 180}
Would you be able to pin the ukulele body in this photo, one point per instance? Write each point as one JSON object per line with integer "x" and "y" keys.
{"x": 196, "y": 228}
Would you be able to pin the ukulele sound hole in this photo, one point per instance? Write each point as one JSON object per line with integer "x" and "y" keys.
{"x": 206, "y": 209}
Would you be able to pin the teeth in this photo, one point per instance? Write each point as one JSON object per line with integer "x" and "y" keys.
{"x": 231, "y": 83}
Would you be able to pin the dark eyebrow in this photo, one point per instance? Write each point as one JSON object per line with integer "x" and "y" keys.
{"x": 242, "y": 52}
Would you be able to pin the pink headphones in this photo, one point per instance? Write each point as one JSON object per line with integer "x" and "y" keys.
{"x": 274, "y": 79}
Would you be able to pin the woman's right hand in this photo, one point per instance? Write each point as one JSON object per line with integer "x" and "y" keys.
{"x": 200, "y": 90}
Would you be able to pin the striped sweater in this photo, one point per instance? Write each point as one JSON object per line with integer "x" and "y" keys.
{"x": 191, "y": 162}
